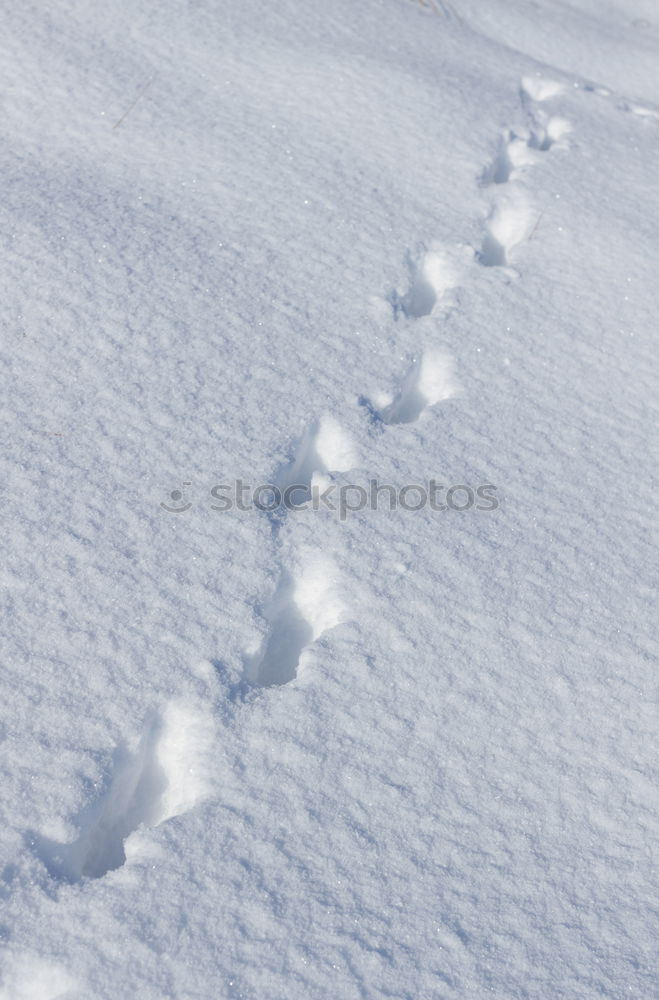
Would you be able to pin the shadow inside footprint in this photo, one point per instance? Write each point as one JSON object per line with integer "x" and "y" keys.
{"x": 431, "y": 276}
{"x": 492, "y": 253}
{"x": 323, "y": 448}
{"x": 132, "y": 798}
{"x": 429, "y": 380}
{"x": 540, "y": 140}
{"x": 501, "y": 168}
{"x": 302, "y": 609}
{"x": 420, "y": 300}
{"x": 407, "y": 408}
{"x": 278, "y": 660}
{"x": 372, "y": 412}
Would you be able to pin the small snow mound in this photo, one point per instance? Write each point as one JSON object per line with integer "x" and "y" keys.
{"x": 540, "y": 88}
{"x": 437, "y": 379}
{"x": 334, "y": 446}
{"x": 318, "y": 594}
{"x": 509, "y": 224}
{"x": 183, "y": 752}
{"x": 32, "y": 978}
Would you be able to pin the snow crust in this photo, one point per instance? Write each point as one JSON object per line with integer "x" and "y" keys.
{"x": 289, "y": 755}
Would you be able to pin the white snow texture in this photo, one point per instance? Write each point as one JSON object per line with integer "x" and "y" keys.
{"x": 299, "y": 754}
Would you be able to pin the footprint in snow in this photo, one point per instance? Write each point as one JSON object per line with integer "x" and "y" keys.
{"x": 545, "y": 130}
{"x": 517, "y": 149}
{"x": 549, "y": 132}
{"x": 431, "y": 276}
{"x": 323, "y": 448}
{"x": 511, "y": 157}
{"x": 165, "y": 775}
{"x": 641, "y": 111}
{"x": 429, "y": 380}
{"x": 305, "y": 605}
{"x": 511, "y": 221}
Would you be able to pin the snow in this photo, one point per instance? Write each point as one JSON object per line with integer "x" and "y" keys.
{"x": 328, "y": 752}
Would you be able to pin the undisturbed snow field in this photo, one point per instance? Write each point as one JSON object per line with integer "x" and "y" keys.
{"x": 298, "y": 755}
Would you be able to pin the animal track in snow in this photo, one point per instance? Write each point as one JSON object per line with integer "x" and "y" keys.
{"x": 429, "y": 380}
{"x": 510, "y": 223}
{"x": 649, "y": 114}
{"x": 163, "y": 777}
{"x": 436, "y": 272}
{"x": 512, "y": 156}
{"x": 511, "y": 219}
{"x": 642, "y": 111}
{"x": 324, "y": 447}
{"x": 517, "y": 150}
{"x": 544, "y": 130}
{"x": 548, "y": 131}
{"x": 303, "y": 608}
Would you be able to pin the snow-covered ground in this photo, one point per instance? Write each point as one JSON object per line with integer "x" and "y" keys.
{"x": 315, "y": 754}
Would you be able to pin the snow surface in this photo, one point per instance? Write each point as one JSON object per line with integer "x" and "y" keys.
{"x": 400, "y": 754}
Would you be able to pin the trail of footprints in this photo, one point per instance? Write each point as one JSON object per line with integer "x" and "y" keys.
{"x": 306, "y": 603}
{"x": 167, "y": 772}
{"x": 164, "y": 775}
{"x": 512, "y": 217}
